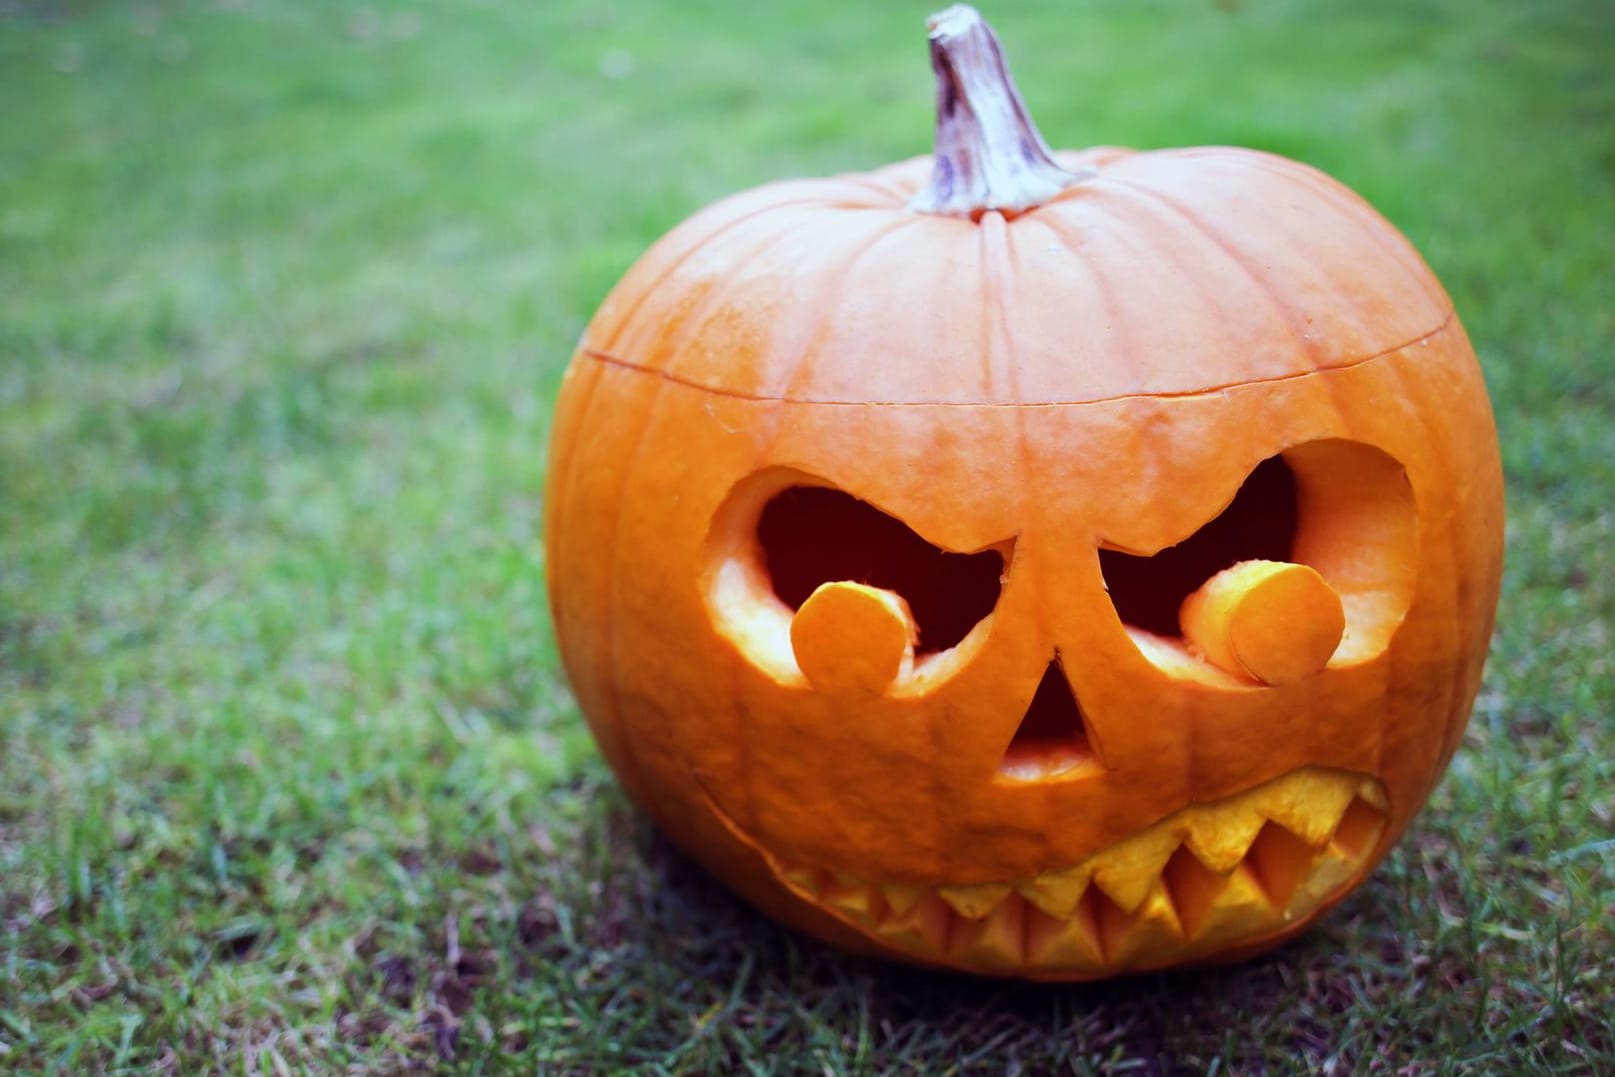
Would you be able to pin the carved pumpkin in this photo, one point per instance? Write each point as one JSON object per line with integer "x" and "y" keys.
{"x": 1078, "y": 564}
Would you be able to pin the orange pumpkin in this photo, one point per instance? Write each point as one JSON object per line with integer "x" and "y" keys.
{"x": 1077, "y": 563}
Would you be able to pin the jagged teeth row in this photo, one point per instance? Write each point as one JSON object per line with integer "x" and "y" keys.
{"x": 1206, "y": 874}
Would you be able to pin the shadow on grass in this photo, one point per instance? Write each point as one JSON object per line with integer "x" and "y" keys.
{"x": 633, "y": 954}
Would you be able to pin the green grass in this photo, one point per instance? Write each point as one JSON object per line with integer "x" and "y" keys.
{"x": 289, "y": 779}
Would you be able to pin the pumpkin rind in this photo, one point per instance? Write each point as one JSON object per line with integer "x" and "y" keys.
{"x": 1100, "y": 371}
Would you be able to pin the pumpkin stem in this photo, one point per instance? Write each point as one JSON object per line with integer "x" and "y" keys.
{"x": 989, "y": 155}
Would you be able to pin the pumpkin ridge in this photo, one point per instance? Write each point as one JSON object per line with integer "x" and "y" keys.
{"x": 1103, "y": 291}
{"x": 1209, "y": 390}
{"x": 871, "y": 182}
{"x": 1391, "y": 241}
{"x": 702, "y": 239}
{"x": 1458, "y": 674}
{"x": 614, "y": 588}
{"x": 1136, "y": 238}
{"x": 676, "y": 327}
{"x": 996, "y": 260}
{"x": 1233, "y": 255}
{"x": 837, "y": 282}
{"x": 634, "y": 774}
{"x": 687, "y": 340}
{"x": 1335, "y": 205}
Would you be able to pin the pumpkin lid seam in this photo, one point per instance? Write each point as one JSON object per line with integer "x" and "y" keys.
{"x": 739, "y": 394}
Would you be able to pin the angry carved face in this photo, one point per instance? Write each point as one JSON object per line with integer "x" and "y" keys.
{"x": 954, "y": 603}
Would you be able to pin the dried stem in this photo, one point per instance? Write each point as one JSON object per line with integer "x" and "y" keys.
{"x": 989, "y": 155}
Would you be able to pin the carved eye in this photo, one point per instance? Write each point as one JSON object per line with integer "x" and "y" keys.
{"x": 854, "y": 596}
{"x": 813, "y": 535}
{"x": 1259, "y": 524}
{"x": 1311, "y": 564}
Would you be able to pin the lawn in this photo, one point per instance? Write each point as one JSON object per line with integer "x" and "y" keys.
{"x": 290, "y": 780}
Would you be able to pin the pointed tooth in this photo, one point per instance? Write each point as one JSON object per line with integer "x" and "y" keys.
{"x": 1193, "y": 887}
{"x": 976, "y": 901}
{"x": 851, "y": 895}
{"x": 1126, "y": 872}
{"x": 1330, "y": 870}
{"x": 902, "y": 897}
{"x": 1147, "y": 938}
{"x": 808, "y": 881}
{"x": 923, "y": 930}
{"x": 997, "y": 941}
{"x": 1057, "y": 893}
{"x": 1065, "y": 945}
{"x": 1374, "y": 793}
{"x": 1209, "y": 875}
{"x": 1219, "y": 837}
{"x": 1307, "y": 803}
{"x": 1281, "y": 861}
{"x": 1240, "y": 909}
{"x": 1359, "y": 830}
{"x": 1244, "y": 879}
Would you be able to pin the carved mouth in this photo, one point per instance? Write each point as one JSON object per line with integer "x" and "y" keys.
{"x": 1200, "y": 880}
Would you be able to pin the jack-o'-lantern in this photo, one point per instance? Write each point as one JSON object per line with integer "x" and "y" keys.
{"x": 1041, "y": 564}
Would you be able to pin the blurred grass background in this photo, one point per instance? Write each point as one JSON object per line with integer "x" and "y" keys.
{"x": 289, "y": 780}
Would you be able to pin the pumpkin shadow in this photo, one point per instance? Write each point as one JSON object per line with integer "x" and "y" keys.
{"x": 709, "y": 952}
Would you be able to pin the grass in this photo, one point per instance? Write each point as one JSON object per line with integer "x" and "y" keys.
{"x": 289, "y": 779}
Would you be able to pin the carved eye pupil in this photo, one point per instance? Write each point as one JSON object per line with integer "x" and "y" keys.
{"x": 1259, "y": 524}
{"x": 813, "y": 534}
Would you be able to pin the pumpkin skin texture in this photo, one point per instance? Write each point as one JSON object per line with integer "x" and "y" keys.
{"x": 1008, "y": 763}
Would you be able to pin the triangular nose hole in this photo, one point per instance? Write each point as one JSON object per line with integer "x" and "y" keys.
{"x": 1052, "y": 737}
